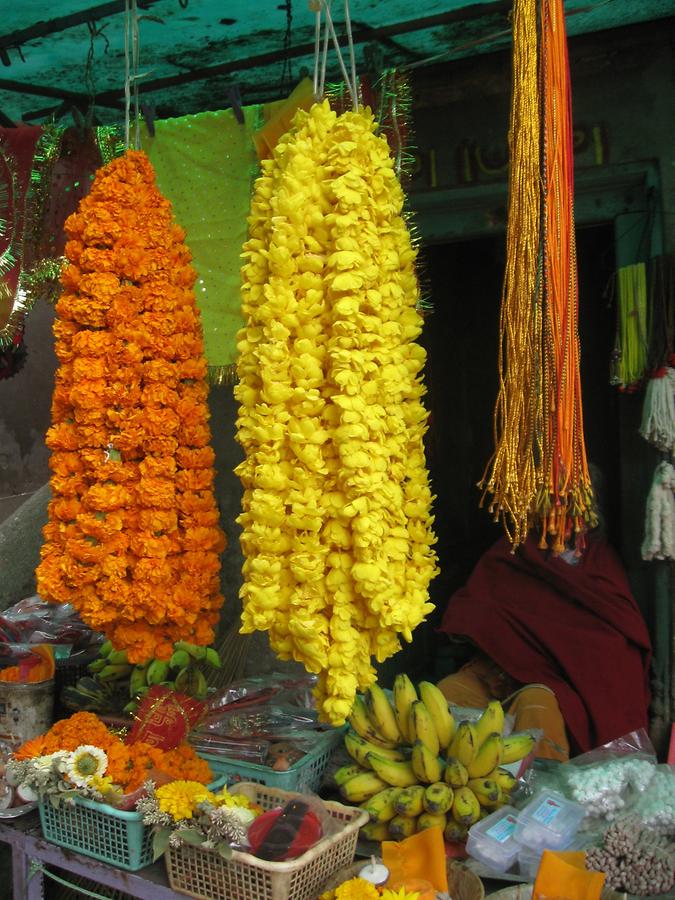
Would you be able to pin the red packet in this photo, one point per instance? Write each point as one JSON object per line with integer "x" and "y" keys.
{"x": 164, "y": 718}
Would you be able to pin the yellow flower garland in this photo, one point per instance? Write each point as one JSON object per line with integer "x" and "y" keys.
{"x": 132, "y": 539}
{"x": 337, "y": 532}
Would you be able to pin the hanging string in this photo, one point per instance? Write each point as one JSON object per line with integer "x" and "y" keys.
{"x": 518, "y": 414}
{"x": 352, "y": 58}
{"x": 336, "y": 45}
{"x": 131, "y": 75}
{"x": 565, "y": 501}
{"x": 315, "y": 5}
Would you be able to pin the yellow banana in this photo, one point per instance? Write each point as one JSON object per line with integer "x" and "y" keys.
{"x": 464, "y": 745}
{"x": 422, "y": 727}
{"x": 426, "y": 766}
{"x": 359, "y": 721}
{"x": 455, "y": 833}
{"x": 404, "y": 697}
{"x": 393, "y": 772}
{"x": 359, "y": 748}
{"x": 465, "y": 808}
{"x": 381, "y": 807}
{"x": 344, "y": 773}
{"x": 436, "y": 703}
{"x": 516, "y": 746}
{"x": 375, "y": 831}
{"x": 438, "y": 798}
{"x": 410, "y": 801}
{"x": 455, "y": 773}
{"x": 504, "y": 779}
{"x": 431, "y": 820}
{"x": 361, "y": 787}
{"x": 488, "y": 757}
{"x": 401, "y": 827}
{"x": 490, "y": 722}
{"x": 381, "y": 714}
{"x": 486, "y": 790}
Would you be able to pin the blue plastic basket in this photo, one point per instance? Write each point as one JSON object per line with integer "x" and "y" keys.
{"x": 303, "y": 777}
{"x": 101, "y": 831}
{"x": 98, "y": 830}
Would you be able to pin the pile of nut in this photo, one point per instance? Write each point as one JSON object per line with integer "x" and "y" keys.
{"x": 635, "y": 859}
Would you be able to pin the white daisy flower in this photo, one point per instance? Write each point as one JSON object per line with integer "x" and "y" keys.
{"x": 86, "y": 763}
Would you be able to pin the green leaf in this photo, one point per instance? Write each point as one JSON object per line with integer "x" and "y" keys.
{"x": 191, "y": 836}
{"x": 160, "y": 841}
{"x": 224, "y": 850}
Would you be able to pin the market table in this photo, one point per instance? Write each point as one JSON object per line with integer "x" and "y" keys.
{"x": 31, "y": 853}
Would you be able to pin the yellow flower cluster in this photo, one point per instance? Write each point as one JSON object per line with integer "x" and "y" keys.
{"x": 336, "y": 525}
{"x": 180, "y": 798}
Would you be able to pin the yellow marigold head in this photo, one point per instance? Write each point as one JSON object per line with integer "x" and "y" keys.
{"x": 180, "y": 798}
{"x": 357, "y": 889}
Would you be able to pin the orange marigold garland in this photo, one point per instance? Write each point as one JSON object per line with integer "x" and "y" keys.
{"x": 132, "y": 539}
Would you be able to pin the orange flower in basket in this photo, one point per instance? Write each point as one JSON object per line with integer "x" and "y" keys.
{"x": 131, "y": 462}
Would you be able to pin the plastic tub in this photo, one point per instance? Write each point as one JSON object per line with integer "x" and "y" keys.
{"x": 548, "y": 822}
{"x": 491, "y": 841}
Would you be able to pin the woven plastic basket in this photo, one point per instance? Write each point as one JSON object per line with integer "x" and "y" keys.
{"x": 304, "y": 776}
{"x": 95, "y": 829}
{"x": 205, "y": 875}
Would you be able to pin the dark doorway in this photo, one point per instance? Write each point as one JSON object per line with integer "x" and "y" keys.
{"x": 461, "y": 337}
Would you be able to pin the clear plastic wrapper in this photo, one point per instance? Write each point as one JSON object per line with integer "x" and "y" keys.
{"x": 34, "y": 621}
{"x": 247, "y": 751}
{"x": 288, "y": 831}
{"x": 655, "y": 807}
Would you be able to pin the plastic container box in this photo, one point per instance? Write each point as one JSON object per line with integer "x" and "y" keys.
{"x": 548, "y": 822}
{"x": 491, "y": 841}
{"x": 530, "y": 860}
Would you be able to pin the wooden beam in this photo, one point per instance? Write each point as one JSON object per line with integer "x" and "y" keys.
{"x": 52, "y": 26}
{"x": 45, "y": 90}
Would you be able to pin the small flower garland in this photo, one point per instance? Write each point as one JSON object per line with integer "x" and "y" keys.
{"x": 337, "y": 531}
{"x": 127, "y": 765}
{"x": 186, "y": 811}
{"x": 132, "y": 539}
{"x": 360, "y": 889}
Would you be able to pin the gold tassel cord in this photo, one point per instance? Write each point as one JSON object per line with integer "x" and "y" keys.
{"x": 518, "y": 412}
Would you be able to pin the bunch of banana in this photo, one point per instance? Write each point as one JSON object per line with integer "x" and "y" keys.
{"x": 415, "y": 768}
{"x": 111, "y": 668}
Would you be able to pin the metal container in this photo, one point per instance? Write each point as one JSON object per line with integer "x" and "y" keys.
{"x": 25, "y": 710}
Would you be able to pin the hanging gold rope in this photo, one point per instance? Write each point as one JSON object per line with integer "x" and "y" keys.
{"x": 517, "y": 418}
{"x": 539, "y": 473}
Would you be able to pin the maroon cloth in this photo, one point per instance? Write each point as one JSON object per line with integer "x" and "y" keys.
{"x": 575, "y": 628}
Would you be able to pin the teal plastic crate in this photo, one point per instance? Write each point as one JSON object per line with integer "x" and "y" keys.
{"x": 304, "y": 776}
{"x": 98, "y": 830}
{"x": 95, "y": 829}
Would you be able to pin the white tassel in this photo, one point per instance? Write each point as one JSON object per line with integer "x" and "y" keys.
{"x": 659, "y": 542}
{"x": 658, "y": 413}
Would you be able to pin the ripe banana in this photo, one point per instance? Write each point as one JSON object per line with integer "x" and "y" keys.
{"x": 381, "y": 807}
{"x": 410, "y": 801}
{"x": 486, "y": 790}
{"x": 393, "y": 772}
{"x": 361, "y": 787}
{"x": 426, "y": 766}
{"x": 504, "y": 779}
{"x": 464, "y": 745}
{"x": 431, "y": 820}
{"x": 381, "y": 714}
{"x": 359, "y": 748}
{"x": 465, "y": 808}
{"x": 491, "y": 721}
{"x": 455, "y": 773}
{"x": 404, "y": 697}
{"x": 360, "y": 722}
{"x": 455, "y": 833}
{"x": 344, "y": 773}
{"x": 516, "y": 746}
{"x": 375, "y": 831}
{"x": 436, "y": 703}
{"x": 401, "y": 827}
{"x": 438, "y": 798}
{"x": 422, "y": 727}
{"x": 488, "y": 757}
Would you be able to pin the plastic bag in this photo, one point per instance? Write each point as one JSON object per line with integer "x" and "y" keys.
{"x": 34, "y": 621}
{"x": 288, "y": 831}
{"x": 655, "y": 808}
